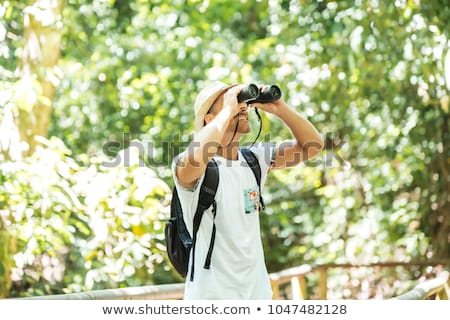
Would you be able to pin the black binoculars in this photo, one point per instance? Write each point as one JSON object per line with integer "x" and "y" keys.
{"x": 252, "y": 94}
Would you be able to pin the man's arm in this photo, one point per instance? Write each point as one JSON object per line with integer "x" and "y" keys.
{"x": 307, "y": 141}
{"x": 192, "y": 163}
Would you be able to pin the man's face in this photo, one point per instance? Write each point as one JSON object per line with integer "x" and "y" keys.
{"x": 241, "y": 119}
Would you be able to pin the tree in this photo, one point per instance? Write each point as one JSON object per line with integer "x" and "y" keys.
{"x": 37, "y": 75}
{"x": 372, "y": 76}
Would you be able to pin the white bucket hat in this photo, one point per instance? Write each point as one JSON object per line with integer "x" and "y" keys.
{"x": 205, "y": 99}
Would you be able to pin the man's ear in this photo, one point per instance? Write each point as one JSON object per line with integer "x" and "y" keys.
{"x": 208, "y": 118}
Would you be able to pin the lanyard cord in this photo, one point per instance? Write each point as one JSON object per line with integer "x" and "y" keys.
{"x": 236, "y": 127}
{"x": 260, "y": 127}
{"x": 234, "y": 134}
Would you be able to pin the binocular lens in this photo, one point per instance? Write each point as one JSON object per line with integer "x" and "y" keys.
{"x": 269, "y": 94}
{"x": 275, "y": 91}
{"x": 253, "y": 94}
{"x": 253, "y": 90}
{"x": 248, "y": 93}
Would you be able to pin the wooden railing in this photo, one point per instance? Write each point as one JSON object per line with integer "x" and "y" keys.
{"x": 294, "y": 278}
{"x": 157, "y": 292}
{"x": 437, "y": 288}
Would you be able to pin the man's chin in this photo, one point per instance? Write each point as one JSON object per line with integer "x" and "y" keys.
{"x": 245, "y": 129}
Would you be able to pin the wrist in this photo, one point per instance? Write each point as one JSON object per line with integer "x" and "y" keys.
{"x": 283, "y": 110}
{"x": 225, "y": 116}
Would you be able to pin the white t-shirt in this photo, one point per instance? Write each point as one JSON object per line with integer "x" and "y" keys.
{"x": 238, "y": 269}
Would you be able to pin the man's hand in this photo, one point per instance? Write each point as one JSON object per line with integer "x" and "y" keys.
{"x": 275, "y": 107}
{"x": 230, "y": 100}
{"x": 307, "y": 141}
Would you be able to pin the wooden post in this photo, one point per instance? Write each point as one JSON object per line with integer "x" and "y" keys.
{"x": 303, "y": 290}
{"x": 323, "y": 283}
{"x": 444, "y": 294}
{"x": 295, "y": 288}
{"x": 298, "y": 288}
{"x": 275, "y": 290}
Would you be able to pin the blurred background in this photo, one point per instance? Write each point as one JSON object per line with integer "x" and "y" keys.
{"x": 96, "y": 97}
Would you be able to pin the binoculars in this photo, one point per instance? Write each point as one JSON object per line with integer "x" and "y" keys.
{"x": 252, "y": 94}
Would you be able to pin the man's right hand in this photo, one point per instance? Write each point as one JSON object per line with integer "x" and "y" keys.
{"x": 230, "y": 100}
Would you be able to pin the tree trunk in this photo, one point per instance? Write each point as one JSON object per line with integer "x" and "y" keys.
{"x": 42, "y": 39}
{"x": 441, "y": 219}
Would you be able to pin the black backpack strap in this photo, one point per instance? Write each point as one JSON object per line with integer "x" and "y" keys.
{"x": 206, "y": 198}
{"x": 207, "y": 264}
{"x": 177, "y": 213}
{"x": 253, "y": 163}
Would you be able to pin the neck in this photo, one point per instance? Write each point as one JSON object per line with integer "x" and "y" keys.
{"x": 230, "y": 151}
{"x": 230, "y": 144}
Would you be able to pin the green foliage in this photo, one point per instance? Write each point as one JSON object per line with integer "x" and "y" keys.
{"x": 80, "y": 225}
{"x": 374, "y": 77}
{"x": 378, "y": 87}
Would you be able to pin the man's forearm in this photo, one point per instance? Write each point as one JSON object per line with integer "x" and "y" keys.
{"x": 308, "y": 140}
{"x": 192, "y": 163}
{"x": 207, "y": 141}
{"x": 302, "y": 130}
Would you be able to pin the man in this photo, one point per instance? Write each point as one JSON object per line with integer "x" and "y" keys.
{"x": 237, "y": 269}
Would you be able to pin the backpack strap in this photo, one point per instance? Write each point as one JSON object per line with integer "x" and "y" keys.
{"x": 177, "y": 214}
{"x": 253, "y": 163}
{"x": 206, "y": 198}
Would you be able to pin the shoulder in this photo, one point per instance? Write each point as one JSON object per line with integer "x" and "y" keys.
{"x": 179, "y": 163}
{"x": 264, "y": 152}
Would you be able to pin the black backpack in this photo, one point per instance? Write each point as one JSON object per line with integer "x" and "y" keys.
{"x": 178, "y": 240}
